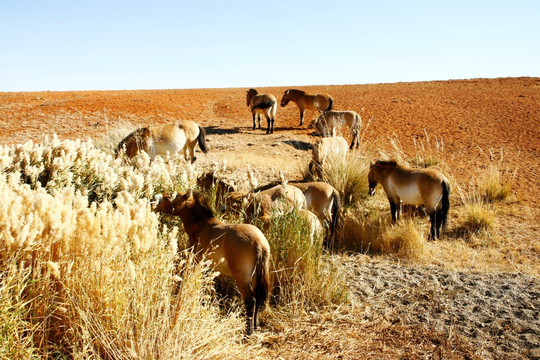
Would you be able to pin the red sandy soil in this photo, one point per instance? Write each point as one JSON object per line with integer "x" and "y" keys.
{"x": 470, "y": 316}
{"x": 471, "y": 117}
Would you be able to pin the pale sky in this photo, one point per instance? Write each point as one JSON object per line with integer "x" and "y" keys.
{"x": 117, "y": 45}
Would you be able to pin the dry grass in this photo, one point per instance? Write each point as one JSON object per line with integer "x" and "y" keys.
{"x": 89, "y": 270}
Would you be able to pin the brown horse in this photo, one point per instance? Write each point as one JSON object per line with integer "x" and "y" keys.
{"x": 209, "y": 182}
{"x": 323, "y": 200}
{"x": 262, "y": 104}
{"x": 320, "y": 102}
{"x": 413, "y": 186}
{"x": 333, "y": 120}
{"x": 240, "y": 251}
{"x": 333, "y": 148}
{"x": 181, "y": 135}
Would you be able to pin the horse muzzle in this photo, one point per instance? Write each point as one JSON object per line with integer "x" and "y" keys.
{"x": 156, "y": 200}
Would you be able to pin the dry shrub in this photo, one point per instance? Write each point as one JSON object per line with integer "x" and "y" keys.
{"x": 496, "y": 184}
{"x": 302, "y": 280}
{"x": 370, "y": 231}
{"x": 478, "y": 217}
{"x": 348, "y": 177}
{"x": 89, "y": 272}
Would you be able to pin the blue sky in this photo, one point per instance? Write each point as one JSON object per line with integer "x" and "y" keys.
{"x": 106, "y": 45}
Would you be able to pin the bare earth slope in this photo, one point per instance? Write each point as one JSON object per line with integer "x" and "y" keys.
{"x": 476, "y": 315}
{"x": 470, "y": 116}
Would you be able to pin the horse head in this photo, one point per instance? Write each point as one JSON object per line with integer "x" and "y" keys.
{"x": 286, "y": 98}
{"x": 371, "y": 178}
{"x": 249, "y": 95}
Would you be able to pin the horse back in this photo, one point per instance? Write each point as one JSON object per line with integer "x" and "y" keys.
{"x": 414, "y": 186}
{"x": 263, "y": 101}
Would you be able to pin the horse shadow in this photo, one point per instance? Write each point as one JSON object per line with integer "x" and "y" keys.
{"x": 214, "y": 130}
{"x": 299, "y": 145}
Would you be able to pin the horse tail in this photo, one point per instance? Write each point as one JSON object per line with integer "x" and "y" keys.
{"x": 202, "y": 140}
{"x": 262, "y": 276}
{"x": 336, "y": 207}
{"x": 264, "y": 105}
{"x": 330, "y": 103}
{"x": 445, "y": 206}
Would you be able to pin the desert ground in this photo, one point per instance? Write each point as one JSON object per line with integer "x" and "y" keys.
{"x": 486, "y": 306}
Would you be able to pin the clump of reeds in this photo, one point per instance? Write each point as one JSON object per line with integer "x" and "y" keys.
{"x": 87, "y": 268}
{"x": 370, "y": 230}
{"x": 301, "y": 279}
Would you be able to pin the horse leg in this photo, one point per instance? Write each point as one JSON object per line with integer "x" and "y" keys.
{"x": 254, "y": 121}
{"x": 433, "y": 220}
{"x": 259, "y": 120}
{"x": 249, "y": 303}
{"x": 269, "y": 122}
{"x": 302, "y": 116}
{"x": 399, "y": 205}
{"x": 393, "y": 210}
{"x": 439, "y": 222}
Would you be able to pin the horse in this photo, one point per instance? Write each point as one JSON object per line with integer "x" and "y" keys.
{"x": 210, "y": 182}
{"x": 262, "y": 104}
{"x": 261, "y": 204}
{"x": 320, "y": 102}
{"x": 329, "y": 121}
{"x": 323, "y": 200}
{"x": 181, "y": 135}
{"x": 412, "y": 186}
{"x": 240, "y": 251}
{"x": 334, "y": 148}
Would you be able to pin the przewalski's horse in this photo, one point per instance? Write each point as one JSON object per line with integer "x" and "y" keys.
{"x": 240, "y": 251}
{"x": 323, "y": 200}
{"x": 279, "y": 199}
{"x": 181, "y": 135}
{"x": 330, "y": 121}
{"x": 333, "y": 149}
{"x": 413, "y": 186}
{"x": 262, "y": 204}
{"x": 265, "y": 104}
{"x": 320, "y": 102}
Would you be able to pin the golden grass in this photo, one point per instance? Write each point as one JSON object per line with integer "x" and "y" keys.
{"x": 90, "y": 271}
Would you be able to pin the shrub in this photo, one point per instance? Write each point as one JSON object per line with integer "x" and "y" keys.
{"x": 370, "y": 231}
{"x": 301, "y": 280}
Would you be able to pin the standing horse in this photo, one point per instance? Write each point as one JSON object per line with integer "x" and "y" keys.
{"x": 323, "y": 200}
{"x": 240, "y": 251}
{"x": 262, "y": 104}
{"x": 181, "y": 135}
{"x": 320, "y": 102}
{"x": 411, "y": 186}
{"x": 329, "y": 121}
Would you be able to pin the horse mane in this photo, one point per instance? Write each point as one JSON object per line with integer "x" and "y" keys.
{"x": 253, "y": 90}
{"x": 386, "y": 162}
{"x": 297, "y": 91}
{"x": 205, "y": 207}
{"x": 137, "y": 132}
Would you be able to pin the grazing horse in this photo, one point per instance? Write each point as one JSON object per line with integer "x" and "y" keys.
{"x": 329, "y": 121}
{"x": 261, "y": 204}
{"x": 413, "y": 186}
{"x": 240, "y": 251}
{"x": 210, "y": 182}
{"x": 323, "y": 200}
{"x": 181, "y": 135}
{"x": 334, "y": 148}
{"x": 262, "y": 104}
{"x": 320, "y": 102}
